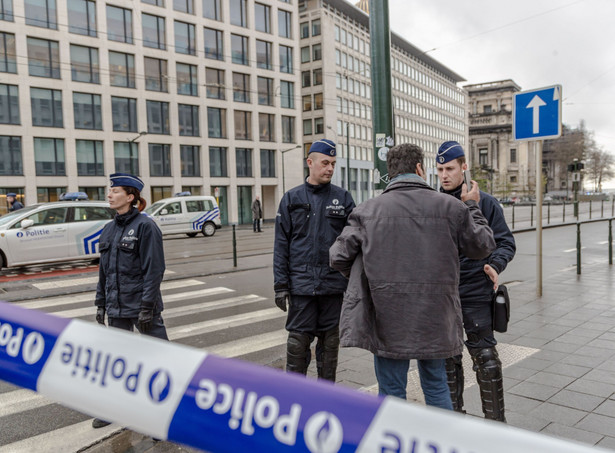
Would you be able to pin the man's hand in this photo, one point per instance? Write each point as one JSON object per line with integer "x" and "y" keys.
{"x": 473, "y": 194}
{"x": 493, "y": 275}
{"x": 100, "y": 315}
{"x": 282, "y": 299}
{"x": 144, "y": 322}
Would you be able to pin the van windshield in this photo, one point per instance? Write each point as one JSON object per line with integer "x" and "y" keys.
{"x": 153, "y": 208}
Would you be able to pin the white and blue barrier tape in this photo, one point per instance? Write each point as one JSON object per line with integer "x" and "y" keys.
{"x": 174, "y": 392}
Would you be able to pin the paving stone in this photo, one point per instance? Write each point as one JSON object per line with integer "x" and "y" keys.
{"x": 562, "y": 346}
{"x": 535, "y": 364}
{"x": 606, "y": 408}
{"x": 553, "y": 356}
{"x": 525, "y": 421}
{"x": 520, "y": 404}
{"x": 566, "y": 432}
{"x": 595, "y": 352}
{"x": 576, "y": 400}
{"x": 597, "y": 423}
{"x": 552, "y": 379}
{"x": 532, "y": 390}
{"x": 601, "y": 376}
{"x": 587, "y": 386}
{"x": 518, "y": 372}
{"x": 559, "y": 414}
{"x": 607, "y": 442}
{"x": 580, "y": 360}
{"x": 567, "y": 369}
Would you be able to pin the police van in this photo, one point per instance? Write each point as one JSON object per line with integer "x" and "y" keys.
{"x": 59, "y": 231}
{"x": 189, "y": 214}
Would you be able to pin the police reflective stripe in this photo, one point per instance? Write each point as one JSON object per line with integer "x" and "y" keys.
{"x": 174, "y": 392}
{"x": 198, "y": 223}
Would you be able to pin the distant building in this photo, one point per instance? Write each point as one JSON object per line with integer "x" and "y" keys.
{"x": 557, "y": 154}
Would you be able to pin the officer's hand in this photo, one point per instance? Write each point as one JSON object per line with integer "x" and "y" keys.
{"x": 282, "y": 299}
{"x": 100, "y": 315}
{"x": 144, "y": 323}
{"x": 492, "y": 274}
{"x": 473, "y": 194}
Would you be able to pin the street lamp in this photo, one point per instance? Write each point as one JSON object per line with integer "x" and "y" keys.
{"x": 138, "y": 137}
{"x": 284, "y": 151}
{"x": 134, "y": 171}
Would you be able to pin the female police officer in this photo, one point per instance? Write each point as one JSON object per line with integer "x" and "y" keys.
{"x": 131, "y": 265}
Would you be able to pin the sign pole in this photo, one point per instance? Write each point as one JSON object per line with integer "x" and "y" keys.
{"x": 538, "y": 148}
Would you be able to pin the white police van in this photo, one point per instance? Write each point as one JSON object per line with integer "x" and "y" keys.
{"x": 188, "y": 214}
{"x": 58, "y": 231}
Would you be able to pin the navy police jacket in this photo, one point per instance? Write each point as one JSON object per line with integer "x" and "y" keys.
{"x": 474, "y": 284}
{"x": 308, "y": 221}
{"x": 131, "y": 266}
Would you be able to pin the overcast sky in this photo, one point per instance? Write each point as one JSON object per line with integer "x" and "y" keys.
{"x": 536, "y": 43}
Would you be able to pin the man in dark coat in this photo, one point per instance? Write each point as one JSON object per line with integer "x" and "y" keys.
{"x": 478, "y": 281}
{"x": 402, "y": 252}
{"x": 309, "y": 219}
{"x": 257, "y": 214}
{"x": 11, "y": 198}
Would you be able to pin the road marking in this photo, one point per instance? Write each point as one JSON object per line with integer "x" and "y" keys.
{"x": 208, "y": 306}
{"x": 249, "y": 345}
{"x": 572, "y": 250}
{"x": 19, "y": 401}
{"x": 61, "y": 283}
{"x": 602, "y": 242}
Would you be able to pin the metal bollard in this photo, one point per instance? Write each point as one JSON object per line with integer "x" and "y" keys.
{"x": 610, "y": 241}
{"x": 548, "y": 213}
{"x": 590, "y": 209}
{"x": 513, "y": 217}
{"x": 564, "y": 213}
{"x": 578, "y": 248}
{"x": 601, "y": 208}
{"x": 234, "y": 247}
{"x": 531, "y": 215}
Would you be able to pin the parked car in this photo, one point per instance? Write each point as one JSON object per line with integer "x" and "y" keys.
{"x": 50, "y": 232}
{"x": 186, "y": 214}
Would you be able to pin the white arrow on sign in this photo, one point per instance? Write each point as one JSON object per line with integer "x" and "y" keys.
{"x": 535, "y": 104}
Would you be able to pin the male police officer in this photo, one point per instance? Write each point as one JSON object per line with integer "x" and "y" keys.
{"x": 309, "y": 219}
{"x": 478, "y": 281}
{"x": 12, "y": 199}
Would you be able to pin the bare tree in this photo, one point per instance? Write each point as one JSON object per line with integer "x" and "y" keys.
{"x": 600, "y": 166}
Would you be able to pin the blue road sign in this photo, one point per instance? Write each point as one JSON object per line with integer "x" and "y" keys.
{"x": 537, "y": 114}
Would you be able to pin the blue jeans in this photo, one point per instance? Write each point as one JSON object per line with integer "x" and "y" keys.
{"x": 392, "y": 375}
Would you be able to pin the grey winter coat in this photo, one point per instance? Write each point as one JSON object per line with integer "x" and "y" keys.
{"x": 402, "y": 252}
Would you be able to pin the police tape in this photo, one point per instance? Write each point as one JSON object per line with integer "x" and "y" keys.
{"x": 185, "y": 395}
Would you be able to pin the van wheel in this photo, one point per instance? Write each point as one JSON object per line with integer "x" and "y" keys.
{"x": 191, "y": 235}
{"x": 209, "y": 229}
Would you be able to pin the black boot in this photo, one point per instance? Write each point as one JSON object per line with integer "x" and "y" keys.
{"x": 488, "y": 369}
{"x": 298, "y": 354}
{"x": 454, "y": 377}
{"x": 327, "y": 349}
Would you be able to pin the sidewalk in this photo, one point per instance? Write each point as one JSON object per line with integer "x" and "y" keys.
{"x": 558, "y": 354}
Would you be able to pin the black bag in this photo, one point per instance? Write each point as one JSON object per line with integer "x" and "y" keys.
{"x": 501, "y": 309}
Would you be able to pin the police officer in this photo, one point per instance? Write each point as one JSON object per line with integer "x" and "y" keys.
{"x": 309, "y": 219}
{"x": 12, "y": 199}
{"x": 478, "y": 281}
{"x": 131, "y": 265}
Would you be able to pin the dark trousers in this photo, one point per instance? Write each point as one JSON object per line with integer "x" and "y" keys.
{"x": 256, "y": 224}
{"x": 478, "y": 324}
{"x": 157, "y": 330}
{"x": 314, "y": 314}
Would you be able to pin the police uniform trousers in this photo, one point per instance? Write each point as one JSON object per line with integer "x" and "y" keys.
{"x": 309, "y": 317}
{"x": 477, "y": 323}
{"x": 157, "y": 329}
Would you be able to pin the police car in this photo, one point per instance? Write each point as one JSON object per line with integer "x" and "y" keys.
{"x": 184, "y": 213}
{"x": 59, "y": 231}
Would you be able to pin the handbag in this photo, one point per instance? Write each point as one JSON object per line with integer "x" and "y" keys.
{"x": 501, "y": 309}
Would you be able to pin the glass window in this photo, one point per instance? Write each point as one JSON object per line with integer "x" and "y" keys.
{"x": 288, "y": 129}
{"x": 160, "y": 192}
{"x": 287, "y": 94}
{"x": 262, "y": 17}
{"x": 10, "y": 156}
{"x": 121, "y": 69}
{"x": 243, "y": 158}
{"x": 43, "y": 58}
{"x": 190, "y": 162}
{"x": 8, "y": 55}
{"x": 119, "y": 24}
{"x": 185, "y": 6}
{"x": 304, "y": 30}
{"x": 217, "y": 162}
{"x": 513, "y": 155}
{"x": 87, "y": 111}
{"x": 90, "y": 158}
{"x": 316, "y": 27}
{"x": 49, "y": 216}
{"x": 284, "y": 24}
{"x": 124, "y": 113}
{"x": 212, "y": 9}
{"x": 317, "y": 76}
{"x": 85, "y": 213}
{"x": 318, "y": 101}
{"x": 49, "y": 156}
{"x": 185, "y": 40}
{"x": 96, "y": 193}
{"x": 126, "y": 156}
{"x": 239, "y": 50}
{"x": 238, "y": 12}
{"x": 6, "y": 10}
{"x": 307, "y": 102}
{"x": 305, "y": 54}
{"x": 266, "y": 127}
{"x": 267, "y": 163}
{"x": 319, "y": 127}
{"x": 214, "y": 80}
{"x": 263, "y": 54}
{"x": 9, "y": 104}
{"x": 241, "y": 87}
{"x": 214, "y": 44}
{"x": 265, "y": 91}
{"x": 216, "y": 122}
{"x": 306, "y": 79}
{"x": 158, "y": 117}
{"x": 82, "y": 17}
{"x": 84, "y": 64}
{"x": 154, "y": 2}
{"x": 160, "y": 160}
{"x": 187, "y": 79}
{"x": 41, "y": 13}
{"x": 307, "y": 127}
{"x": 316, "y": 52}
{"x": 156, "y": 74}
{"x": 188, "y": 116}
{"x": 286, "y": 59}
{"x": 153, "y": 31}
{"x": 243, "y": 125}
{"x": 46, "y": 107}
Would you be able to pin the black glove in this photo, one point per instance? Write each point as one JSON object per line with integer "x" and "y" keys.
{"x": 100, "y": 315}
{"x": 282, "y": 299}
{"x": 146, "y": 316}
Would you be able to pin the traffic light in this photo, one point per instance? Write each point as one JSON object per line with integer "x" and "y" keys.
{"x": 576, "y": 166}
